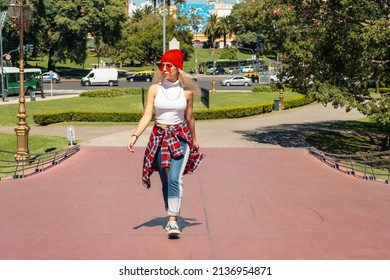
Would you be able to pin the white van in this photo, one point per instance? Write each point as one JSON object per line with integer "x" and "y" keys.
{"x": 106, "y": 76}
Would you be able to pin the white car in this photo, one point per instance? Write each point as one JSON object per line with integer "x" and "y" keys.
{"x": 247, "y": 69}
{"x": 233, "y": 70}
{"x": 55, "y": 77}
{"x": 237, "y": 81}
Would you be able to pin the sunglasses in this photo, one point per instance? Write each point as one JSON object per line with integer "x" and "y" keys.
{"x": 167, "y": 66}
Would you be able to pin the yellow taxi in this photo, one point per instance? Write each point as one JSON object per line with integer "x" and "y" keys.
{"x": 254, "y": 76}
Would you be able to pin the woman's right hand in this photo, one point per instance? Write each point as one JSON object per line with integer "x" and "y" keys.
{"x": 131, "y": 143}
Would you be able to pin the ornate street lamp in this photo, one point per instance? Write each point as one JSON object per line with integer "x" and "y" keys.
{"x": 21, "y": 14}
{"x": 214, "y": 81}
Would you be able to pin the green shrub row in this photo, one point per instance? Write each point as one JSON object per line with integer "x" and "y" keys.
{"x": 232, "y": 112}
{"x": 113, "y": 92}
{"x": 271, "y": 88}
{"x": 225, "y": 113}
{"x": 297, "y": 102}
{"x": 383, "y": 90}
{"x": 71, "y": 116}
{"x": 202, "y": 114}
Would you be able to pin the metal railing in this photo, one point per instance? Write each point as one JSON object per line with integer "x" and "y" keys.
{"x": 13, "y": 169}
{"x": 370, "y": 166}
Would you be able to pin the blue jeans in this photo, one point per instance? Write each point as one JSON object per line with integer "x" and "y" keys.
{"x": 172, "y": 179}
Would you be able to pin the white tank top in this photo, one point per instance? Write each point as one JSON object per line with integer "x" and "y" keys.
{"x": 170, "y": 103}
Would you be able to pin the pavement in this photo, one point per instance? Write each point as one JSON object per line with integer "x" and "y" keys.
{"x": 258, "y": 195}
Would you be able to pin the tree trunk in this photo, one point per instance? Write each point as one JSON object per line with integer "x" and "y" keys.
{"x": 50, "y": 64}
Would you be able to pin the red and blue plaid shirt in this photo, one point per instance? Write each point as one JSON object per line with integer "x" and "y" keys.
{"x": 169, "y": 140}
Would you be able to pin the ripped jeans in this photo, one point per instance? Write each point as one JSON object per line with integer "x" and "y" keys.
{"x": 172, "y": 179}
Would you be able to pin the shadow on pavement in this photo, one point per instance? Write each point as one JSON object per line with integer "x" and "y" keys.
{"x": 285, "y": 135}
{"x": 162, "y": 222}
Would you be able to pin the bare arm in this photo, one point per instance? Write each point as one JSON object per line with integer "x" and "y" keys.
{"x": 146, "y": 117}
{"x": 190, "y": 117}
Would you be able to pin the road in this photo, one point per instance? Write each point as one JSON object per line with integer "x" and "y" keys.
{"x": 74, "y": 84}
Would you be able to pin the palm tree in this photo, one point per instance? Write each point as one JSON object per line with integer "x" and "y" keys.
{"x": 211, "y": 30}
{"x": 148, "y": 10}
{"x": 137, "y": 15}
{"x": 224, "y": 27}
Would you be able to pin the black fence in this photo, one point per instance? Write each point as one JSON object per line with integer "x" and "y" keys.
{"x": 14, "y": 169}
{"x": 372, "y": 166}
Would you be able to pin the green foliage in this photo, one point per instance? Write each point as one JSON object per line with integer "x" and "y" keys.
{"x": 233, "y": 112}
{"x": 297, "y": 102}
{"x": 271, "y": 88}
{"x": 200, "y": 114}
{"x": 72, "y": 116}
{"x": 228, "y": 53}
{"x": 384, "y": 90}
{"x": 328, "y": 49}
{"x": 142, "y": 39}
{"x": 114, "y": 92}
{"x": 378, "y": 111}
{"x": 60, "y": 28}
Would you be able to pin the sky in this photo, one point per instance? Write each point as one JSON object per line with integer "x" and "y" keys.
{"x": 137, "y": 2}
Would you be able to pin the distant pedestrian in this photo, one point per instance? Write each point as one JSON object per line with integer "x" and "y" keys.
{"x": 173, "y": 149}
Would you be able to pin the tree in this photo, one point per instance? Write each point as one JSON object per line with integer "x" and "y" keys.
{"x": 60, "y": 28}
{"x": 142, "y": 40}
{"x": 211, "y": 30}
{"x": 332, "y": 49}
{"x": 224, "y": 27}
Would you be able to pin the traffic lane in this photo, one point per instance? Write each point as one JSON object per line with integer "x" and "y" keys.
{"x": 203, "y": 82}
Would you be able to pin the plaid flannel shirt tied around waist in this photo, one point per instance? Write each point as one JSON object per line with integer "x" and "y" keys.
{"x": 169, "y": 140}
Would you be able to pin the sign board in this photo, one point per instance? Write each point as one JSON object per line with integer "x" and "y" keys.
{"x": 174, "y": 44}
{"x": 205, "y": 97}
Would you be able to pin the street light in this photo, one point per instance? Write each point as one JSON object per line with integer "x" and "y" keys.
{"x": 21, "y": 14}
{"x": 254, "y": 57}
{"x": 213, "y": 81}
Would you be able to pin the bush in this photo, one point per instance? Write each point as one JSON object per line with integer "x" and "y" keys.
{"x": 200, "y": 114}
{"x": 46, "y": 119}
{"x": 297, "y": 102}
{"x": 233, "y": 112}
{"x": 264, "y": 88}
{"x": 114, "y": 92}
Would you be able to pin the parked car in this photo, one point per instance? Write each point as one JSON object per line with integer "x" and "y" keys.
{"x": 139, "y": 77}
{"x": 55, "y": 77}
{"x": 233, "y": 70}
{"x": 236, "y": 81}
{"x": 255, "y": 77}
{"x": 218, "y": 71}
{"x": 247, "y": 69}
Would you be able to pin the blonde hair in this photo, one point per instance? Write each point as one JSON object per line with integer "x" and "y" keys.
{"x": 185, "y": 79}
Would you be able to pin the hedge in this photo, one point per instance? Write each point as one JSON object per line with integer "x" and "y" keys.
{"x": 200, "y": 114}
{"x": 50, "y": 118}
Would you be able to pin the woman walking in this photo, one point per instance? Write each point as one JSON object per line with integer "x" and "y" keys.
{"x": 173, "y": 149}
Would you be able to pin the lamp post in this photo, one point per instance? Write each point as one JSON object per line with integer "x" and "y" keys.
{"x": 214, "y": 81}
{"x": 21, "y": 14}
{"x": 164, "y": 28}
{"x": 254, "y": 57}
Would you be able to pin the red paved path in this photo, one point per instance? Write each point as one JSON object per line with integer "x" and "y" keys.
{"x": 242, "y": 203}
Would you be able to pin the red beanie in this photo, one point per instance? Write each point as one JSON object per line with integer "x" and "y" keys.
{"x": 176, "y": 57}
